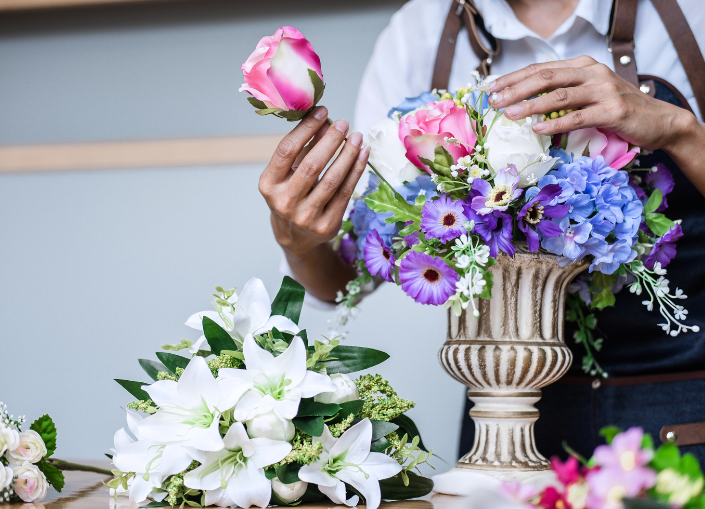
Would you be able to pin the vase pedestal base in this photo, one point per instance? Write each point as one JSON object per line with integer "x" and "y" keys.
{"x": 466, "y": 481}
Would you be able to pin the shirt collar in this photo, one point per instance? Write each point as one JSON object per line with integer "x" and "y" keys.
{"x": 501, "y": 21}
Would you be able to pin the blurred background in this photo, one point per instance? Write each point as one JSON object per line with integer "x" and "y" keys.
{"x": 128, "y": 190}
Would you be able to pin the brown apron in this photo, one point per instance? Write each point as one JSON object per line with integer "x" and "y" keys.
{"x": 620, "y": 41}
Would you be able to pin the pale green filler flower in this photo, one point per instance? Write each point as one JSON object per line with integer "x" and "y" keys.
{"x": 146, "y": 406}
{"x": 174, "y": 486}
{"x": 381, "y": 401}
{"x": 338, "y": 429}
{"x": 165, "y": 375}
{"x": 303, "y": 451}
{"x": 223, "y": 361}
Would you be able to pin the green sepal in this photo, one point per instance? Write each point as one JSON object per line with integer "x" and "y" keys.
{"x": 54, "y": 476}
{"x": 218, "y": 339}
{"x": 289, "y": 300}
{"x": 354, "y": 358}
{"x": 134, "y": 388}
{"x": 393, "y": 488}
{"x": 381, "y": 429}
{"x": 291, "y": 115}
{"x": 408, "y": 426}
{"x": 288, "y": 473}
{"x": 318, "y": 87}
{"x": 46, "y": 428}
{"x": 269, "y": 111}
{"x": 310, "y": 425}
{"x": 152, "y": 368}
{"x": 172, "y": 361}
{"x": 609, "y": 432}
{"x": 310, "y": 408}
{"x": 257, "y": 103}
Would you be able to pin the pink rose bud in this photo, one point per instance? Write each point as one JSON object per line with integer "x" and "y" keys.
{"x": 284, "y": 75}
{"x": 601, "y": 142}
{"x": 431, "y": 125}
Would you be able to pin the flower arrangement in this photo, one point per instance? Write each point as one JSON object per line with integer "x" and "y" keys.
{"x": 258, "y": 414}
{"x": 627, "y": 472}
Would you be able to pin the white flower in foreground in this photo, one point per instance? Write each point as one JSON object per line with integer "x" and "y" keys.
{"x": 345, "y": 390}
{"x": 269, "y": 425}
{"x": 9, "y": 438}
{"x": 388, "y": 154}
{"x": 348, "y": 460}
{"x": 274, "y": 383}
{"x": 6, "y": 475}
{"x": 289, "y": 493}
{"x": 239, "y": 468}
{"x": 189, "y": 410}
{"x": 31, "y": 448}
{"x": 31, "y": 485}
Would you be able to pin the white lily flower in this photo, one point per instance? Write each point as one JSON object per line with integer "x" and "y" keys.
{"x": 274, "y": 383}
{"x": 152, "y": 462}
{"x": 189, "y": 410}
{"x": 348, "y": 460}
{"x": 238, "y": 469}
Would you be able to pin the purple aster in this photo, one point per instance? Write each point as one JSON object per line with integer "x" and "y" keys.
{"x": 486, "y": 198}
{"x": 379, "y": 259}
{"x": 533, "y": 213}
{"x": 426, "y": 279}
{"x": 660, "y": 179}
{"x": 569, "y": 242}
{"x": 665, "y": 248}
{"x": 495, "y": 229}
{"x": 443, "y": 219}
{"x": 347, "y": 249}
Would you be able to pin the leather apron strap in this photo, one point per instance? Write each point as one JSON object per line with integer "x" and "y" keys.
{"x": 620, "y": 40}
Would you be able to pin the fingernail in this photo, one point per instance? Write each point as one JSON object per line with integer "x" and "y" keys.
{"x": 494, "y": 86}
{"x": 495, "y": 98}
{"x": 355, "y": 139}
{"x": 541, "y": 126}
{"x": 364, "y": 152}
{"x": 342, "y": 126}
{"x": 320, "y": 113}
{"x": 513, "y": 111}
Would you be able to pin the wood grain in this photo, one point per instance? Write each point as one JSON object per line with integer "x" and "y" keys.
{"x": 138, "y": 154}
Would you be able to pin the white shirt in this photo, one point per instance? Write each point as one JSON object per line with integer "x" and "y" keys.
{"x": 404, "y": 55}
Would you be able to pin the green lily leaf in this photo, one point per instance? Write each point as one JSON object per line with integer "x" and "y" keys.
{"x": 310, "y": 425}
{"x": 393, "y": 488}
{"x": 152, "y": 368}
{"x": 172, "y": 361}
{"x": 310, "y": 408}
{"x": 134, "y": 388}
{"x": 354, "y": 358}
{"x": 288, "y": 473}
{"x": 217, "y": 337}
{"x": 408, "y": 426}
{"x": 289, "y": 299}
{"x": 381, "y": 429}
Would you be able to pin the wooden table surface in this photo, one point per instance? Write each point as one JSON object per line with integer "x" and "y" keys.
{"x": 85, "y": 490}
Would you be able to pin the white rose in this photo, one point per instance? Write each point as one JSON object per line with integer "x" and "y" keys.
{"x": 270, "y": 425}
{"x": 9, "y": 439}
{"x": 289, "y": 492}
{"x": 345, "y": 390}
{"x": 515, "y": 142}
{"x": 388, "y": 155}
{"x": 31, "y": 448}
{"x": 6, "y": 475}
{"x": 31, "y": 485}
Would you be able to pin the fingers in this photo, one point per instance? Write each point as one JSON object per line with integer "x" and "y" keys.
{"x": 334, "y": 176}
{"x": 291, "y": 145}
{"x": 304, "y": 152}
{"x": 317, "y": 159}
{"x": 513, "y": 78}
{"x": 578, "y": 119}
{"x": 544, "y": 80}
{"x": 338, "y": 203}
{"x": 560, "y": 99}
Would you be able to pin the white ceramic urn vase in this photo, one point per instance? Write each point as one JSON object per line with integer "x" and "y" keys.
{"x": 505, "y": 356}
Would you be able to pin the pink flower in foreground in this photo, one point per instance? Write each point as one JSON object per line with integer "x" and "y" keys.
{"x": 519, "y": 492}
{"x": 423, "y": 130}
{"x": 601, "y": 142}
{"x": 277, "y": 74}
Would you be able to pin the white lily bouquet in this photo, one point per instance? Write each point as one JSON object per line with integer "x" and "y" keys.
{"x": 258, "y": 414}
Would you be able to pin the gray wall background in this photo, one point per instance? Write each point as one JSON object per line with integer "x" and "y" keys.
{"x": 98, "y": 269}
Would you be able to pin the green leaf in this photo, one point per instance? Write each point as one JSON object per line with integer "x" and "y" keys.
{"x": 46, "y": 428}
{"x": 601, "y": 287}
{"x": 348, "y": 408}
{"x": 354, "y": 358}
{"x": 318, "y": 86}
{"x": 289, "y": 300}
{"x": 393, "y": 488}
{"x": 666, "y": 456}
{"x": 154, "y": 503}
{"x": 152, "y": 368}
{"x": 217, "y": 337}
{"x": 386, "y": 200}
{"x": 640, "y": 503}
{"x": 310, "y": 408}
{"x": 291, "y": 115}
{"x": 591, "y": 321}
{"x": 443, "y": 158}
{"x": 690, "y": 466}
{"x": 408, "y": 426}
{"x": 654, "y": 201}
{"x": 379, "y": 445}
{"x": 609, "y": 432}
{"x": 289, "y": 473}
{"x": 53, "y": 474}
{"x": 658, "y": 223}
{"x": 257, "y": 103}
{"x": 310, "y": 425}
{"x": 381, "y": 429}
{"x": 172, "y": 361}
{"x": 134, "y": 388}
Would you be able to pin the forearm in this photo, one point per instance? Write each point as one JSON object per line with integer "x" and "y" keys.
{"x": 322, "y": 271}
{"x": 687, "y": 148}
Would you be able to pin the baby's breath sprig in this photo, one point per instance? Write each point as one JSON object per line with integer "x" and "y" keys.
{"x": 8, "y": 420}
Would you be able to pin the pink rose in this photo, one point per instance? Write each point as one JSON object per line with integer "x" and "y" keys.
{"x": 423, "y": 130}
{"x": 601, "y": 142}
{"x": 277, "y": 72}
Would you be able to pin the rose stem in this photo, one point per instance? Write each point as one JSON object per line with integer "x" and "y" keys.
{"x": 65, "y": 465}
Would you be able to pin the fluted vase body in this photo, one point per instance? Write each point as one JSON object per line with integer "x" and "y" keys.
{"x": 506, "y": 355}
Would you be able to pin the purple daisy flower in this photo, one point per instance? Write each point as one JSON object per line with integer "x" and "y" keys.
{"x": 495, "y": 229}
{"x": 443, "y": 219}
{"x": 665, "y": 248}
{"x": 485, "y": 198}
{"x": 379, "y": 259}
{"x": 661, "y": 179}
{"x": 533, "y": 213}
{"x": 426, "y": 279}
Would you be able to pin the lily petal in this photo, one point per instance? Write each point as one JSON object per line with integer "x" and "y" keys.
{"x": 254, "y": 300}
{"x": 368, "y": 486}
{"x": 336, "y": 493}
{"x": 250, "y": 487}
{"x": 268, "y": 452}
{"x": 356, "y": 441}
{"x": 256, "y": 357}
{"x": 195, "y": 321}
{"x": 197, "y": 384}
{"x": 380, "y": 465}
{"x": 315, "y": 383}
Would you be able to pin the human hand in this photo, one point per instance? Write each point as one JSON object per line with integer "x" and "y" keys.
{"x": 307, "y": 212}
{"x": 599, "y": 98}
